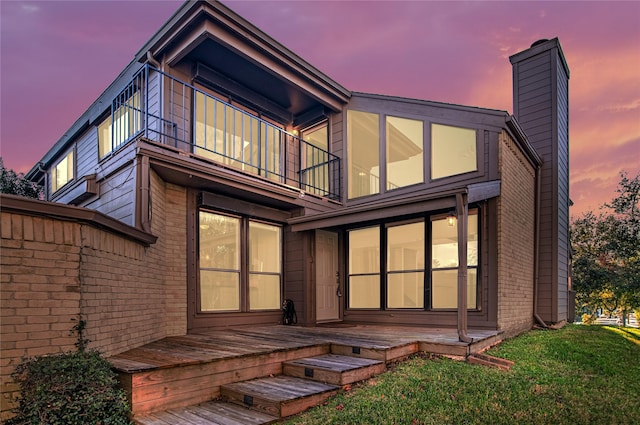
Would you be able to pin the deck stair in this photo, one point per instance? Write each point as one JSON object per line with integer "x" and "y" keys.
{"x": 258, "y": 376}
{"x": 333, "y": 369}
{"x": 278, "y": 396}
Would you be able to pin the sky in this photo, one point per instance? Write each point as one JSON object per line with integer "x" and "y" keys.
{"x": 56, "y": 58}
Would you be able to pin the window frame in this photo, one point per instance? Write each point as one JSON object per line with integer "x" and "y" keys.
{"x": 126, "y": 110}
{"x": 384, "y": 271}
{"x": 244, "y": 266}
{"x": 54, "y": 171}
{"x": 479, "y": 152}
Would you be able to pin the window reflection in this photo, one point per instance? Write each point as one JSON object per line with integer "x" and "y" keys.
{"x": 363, "y": 153}
{"x": 444, "y": 262}
{"x": 404, "y": 152}
{"x": 219, "y": 262}
{"x": 364, "y": 268}
{"x": 453, "y": 151}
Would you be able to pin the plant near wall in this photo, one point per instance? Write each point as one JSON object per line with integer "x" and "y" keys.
{"x": 13, "y": 183}
{"x": 73, "y": 388}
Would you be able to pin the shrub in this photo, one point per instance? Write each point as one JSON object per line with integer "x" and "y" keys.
{"x": 69, "y": 388}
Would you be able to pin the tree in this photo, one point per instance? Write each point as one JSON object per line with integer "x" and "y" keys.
{"x": 16, "y": 184}
{"x": 606, "y": 252}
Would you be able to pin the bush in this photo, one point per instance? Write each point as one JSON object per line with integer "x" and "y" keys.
{"x": 70, "y": 388}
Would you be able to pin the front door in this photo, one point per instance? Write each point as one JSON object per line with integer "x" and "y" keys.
{"x": 327, "y": 282}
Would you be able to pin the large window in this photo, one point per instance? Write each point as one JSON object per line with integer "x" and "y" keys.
{"x": 364, "y": 268}
{"x": 122, "y": 125}
{"x": 403, "y": 275}
{"x": 62, "y": 173}
{"x": 224, "y": 282}
{"x": 453, "y": 151}
{"x": 363, "y": 154}
{"x": 264, "y": 266}
{"x": 405, "y": 266}
{"x": 315, "y": 160}
{"x": 237, "y": 139}
{"x": 444, "y": 262}
{"x": 405, "y": 155}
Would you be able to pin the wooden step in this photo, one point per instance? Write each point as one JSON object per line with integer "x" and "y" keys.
{"x": 279, "y": 395}
{"x": 375, "y": 352}
{"x": 209, "y": 413}
{"x": 333, "y": 368}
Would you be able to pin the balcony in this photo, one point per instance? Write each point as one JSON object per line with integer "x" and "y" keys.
{"x": 166, "y": 110}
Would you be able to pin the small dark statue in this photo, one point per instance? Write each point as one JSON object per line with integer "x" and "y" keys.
{"x": 289, "y": 316}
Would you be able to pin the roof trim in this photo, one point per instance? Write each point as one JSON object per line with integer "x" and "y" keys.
{"x": 397, "y": 207}
{"x": 33, "y": 207}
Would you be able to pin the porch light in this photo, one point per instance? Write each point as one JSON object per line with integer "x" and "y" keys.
{"x": 451, "y": 219}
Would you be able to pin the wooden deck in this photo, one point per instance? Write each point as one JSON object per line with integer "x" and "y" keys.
{"x": 187, "y": 372}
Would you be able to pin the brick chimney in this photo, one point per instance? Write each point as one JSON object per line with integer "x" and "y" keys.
{"x": 541, "y": 106}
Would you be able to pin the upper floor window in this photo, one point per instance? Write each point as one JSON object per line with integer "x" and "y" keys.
{"x": 405, "y": 153}
{"x": 314, "y": 168}
{"x": 121, "y": 125}
{"x": 453, "y": 151}
{"x": 62, "y": 173}
{"x": 233, "y": 137}
{"x": 364, "y": 154}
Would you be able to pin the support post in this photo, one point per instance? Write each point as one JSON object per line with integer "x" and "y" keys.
{"x": 462, "y": 213}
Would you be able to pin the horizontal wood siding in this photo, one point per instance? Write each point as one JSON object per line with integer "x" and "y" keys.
{"x": 117, "y": 178}
{"x": 563, "y": 190}
{"x": 87, "y": 152}
{"x": 296, "y": 284}
{"x": 541, "y": 106}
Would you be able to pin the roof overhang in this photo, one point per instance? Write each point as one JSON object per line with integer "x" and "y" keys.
{"x": 210, "y": 33}
{"x": 400, "y": 207}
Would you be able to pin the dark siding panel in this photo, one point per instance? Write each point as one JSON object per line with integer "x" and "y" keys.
{"x": 87, "y": 152}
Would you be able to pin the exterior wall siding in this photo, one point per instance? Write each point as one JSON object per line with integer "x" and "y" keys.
{"x": 541, "y": 106}
{"x": 516, "y": 224}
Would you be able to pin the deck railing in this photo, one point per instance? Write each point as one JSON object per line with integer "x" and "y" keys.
{"x": 172, "y": 112}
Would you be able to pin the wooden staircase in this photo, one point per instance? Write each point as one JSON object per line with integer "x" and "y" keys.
{"x": 305, "y": 382}
{"x": 259, "y": 375}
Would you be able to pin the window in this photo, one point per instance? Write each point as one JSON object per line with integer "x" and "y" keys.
{"x": 403, "y": 275}
{"x": 364, "y": 268}
{"x": 122, "y": 125}
{"x": 444, "y": 262}
{"x": 453, "y": 151}
{"x": 264, "y": 266}
{"x": 219, "y": 262}
{"x": 364, "y": 154}
{"x": 405, "y": 266}
{"x": 224, "y": 282}
{"x": 62, "y": 173}
{"x": 237, "y": 139}
{"x": 315, "y": 160}
{"x": 405, "y": 155}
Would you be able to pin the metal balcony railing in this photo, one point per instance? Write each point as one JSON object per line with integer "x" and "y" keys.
{"x": 169, "y": 111}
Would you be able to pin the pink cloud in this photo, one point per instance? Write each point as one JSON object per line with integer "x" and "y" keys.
{"x": 58, "y": 57}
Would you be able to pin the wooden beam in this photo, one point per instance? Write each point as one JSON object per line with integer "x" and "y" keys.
{"x": 462, "y": 212}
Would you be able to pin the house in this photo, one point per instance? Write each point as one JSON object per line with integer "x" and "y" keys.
{"x": 262, "y": 179}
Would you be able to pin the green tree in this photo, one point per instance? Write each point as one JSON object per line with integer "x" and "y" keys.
{"x": 16, "y": 184}
{"x": 606, "y": 252}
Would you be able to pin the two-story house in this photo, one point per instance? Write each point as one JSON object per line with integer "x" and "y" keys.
{"x": 264, "y": 180}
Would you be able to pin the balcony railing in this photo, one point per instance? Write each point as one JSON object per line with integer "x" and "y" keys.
{"x": 172, "y": 112}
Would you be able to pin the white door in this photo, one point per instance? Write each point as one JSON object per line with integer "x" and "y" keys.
{"x": 327, "y": 282}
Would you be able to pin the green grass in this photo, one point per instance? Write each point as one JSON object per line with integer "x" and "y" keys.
{"x": 577, "y": 375}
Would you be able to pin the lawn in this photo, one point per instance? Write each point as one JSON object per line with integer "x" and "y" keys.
{"x": 577, "y": 375}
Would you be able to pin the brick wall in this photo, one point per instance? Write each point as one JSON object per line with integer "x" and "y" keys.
{"x": 54, "y": 269}
{"x": 40, "y": 292}
{"x": 516, "y": 224}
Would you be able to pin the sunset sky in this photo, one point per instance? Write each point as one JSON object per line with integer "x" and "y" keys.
{"x": 57, "y": 57}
